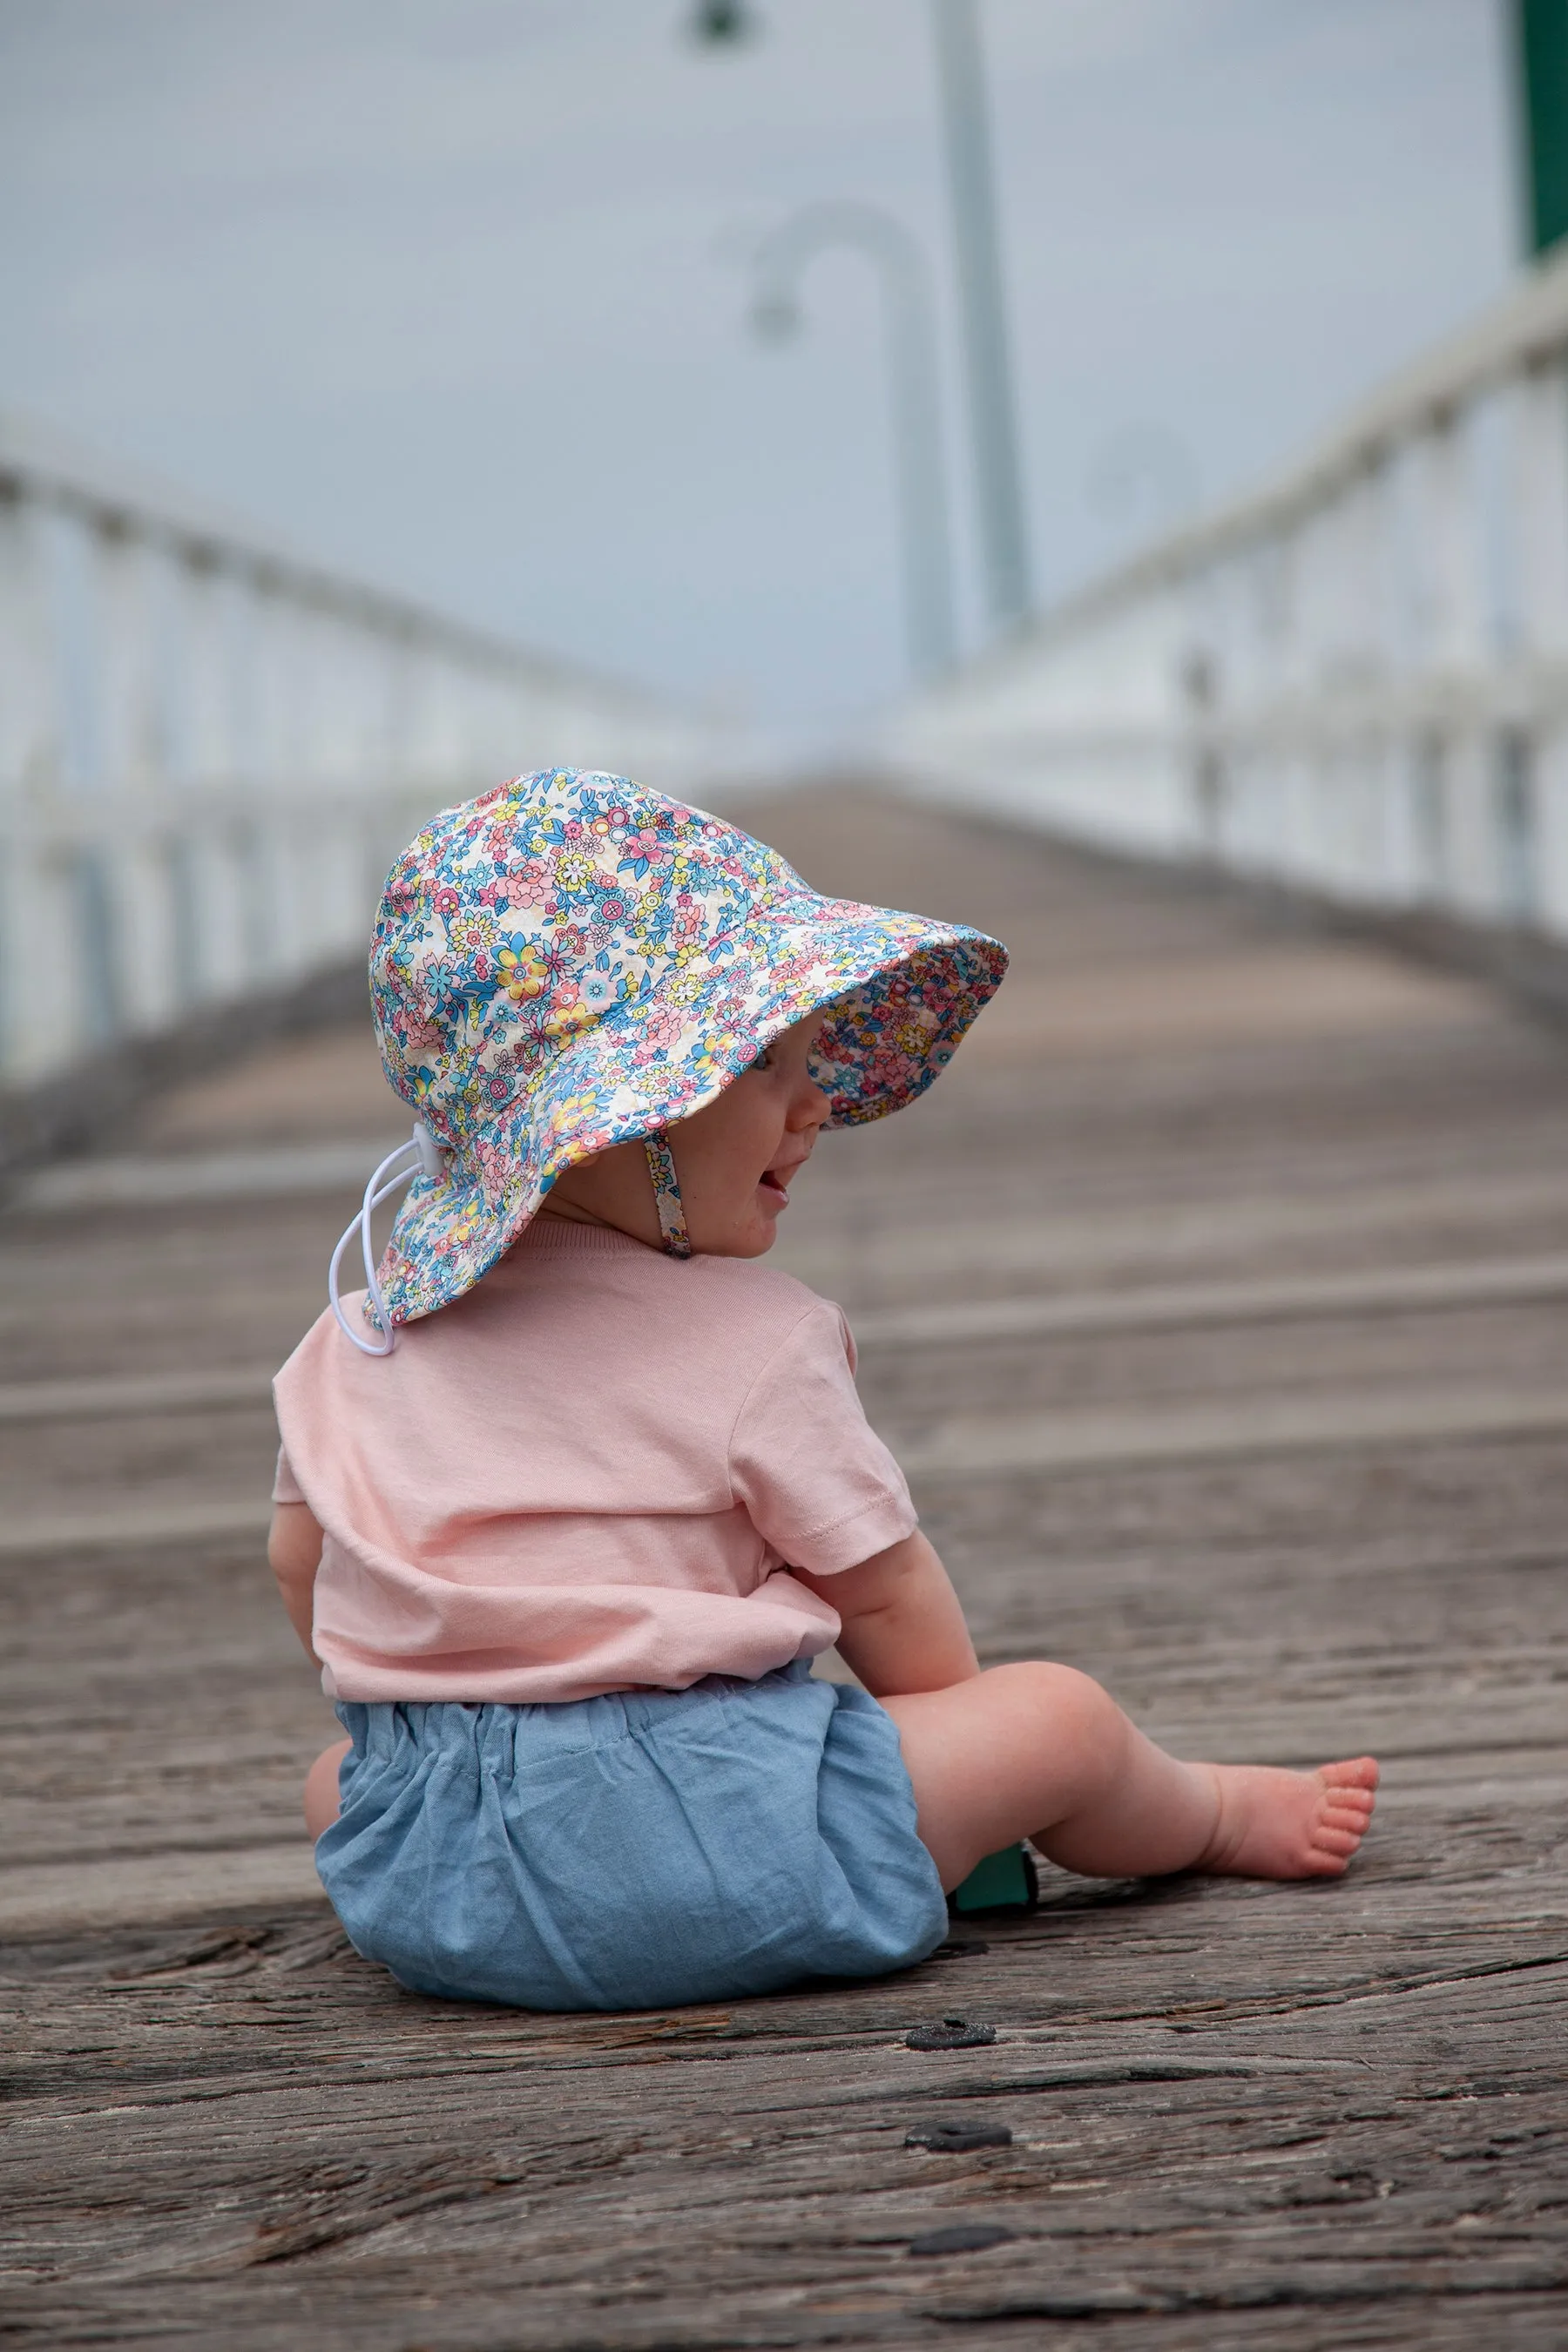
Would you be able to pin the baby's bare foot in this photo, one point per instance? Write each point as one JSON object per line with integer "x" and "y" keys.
{"x": 1276, "y": 1824}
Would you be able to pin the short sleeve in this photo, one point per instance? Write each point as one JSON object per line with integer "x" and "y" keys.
{"x": 286, "y": 1488}
{"x": 818, "y": 1483}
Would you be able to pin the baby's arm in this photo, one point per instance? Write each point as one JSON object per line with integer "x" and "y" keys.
{"x": 903, "y": 1629}
{"x": 294, "y": 1552}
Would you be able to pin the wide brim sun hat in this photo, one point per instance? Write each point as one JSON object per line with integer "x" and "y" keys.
{"x": 572, "y": 961}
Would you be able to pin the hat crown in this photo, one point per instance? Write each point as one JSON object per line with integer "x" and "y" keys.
{"x": 515, "y": 924}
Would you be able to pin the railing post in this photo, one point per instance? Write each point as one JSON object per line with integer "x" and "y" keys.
{"x": 36, "y": 1009}
{"x": 126, "y": 810}
{"x": 1540, "y": 488}
{"x": 1452, "y": 656}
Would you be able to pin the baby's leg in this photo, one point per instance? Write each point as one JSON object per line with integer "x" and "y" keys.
{"x": 321, "y": 1787}
{"x": 1042, "y": 1752}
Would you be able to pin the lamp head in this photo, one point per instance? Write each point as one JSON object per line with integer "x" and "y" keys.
{"x": 774, "y": 318}
{"x": 722, "y": 24}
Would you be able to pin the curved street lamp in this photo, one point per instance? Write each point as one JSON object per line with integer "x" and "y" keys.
{"x": 1002, "y": 533}
{"x": 779, "y": 263}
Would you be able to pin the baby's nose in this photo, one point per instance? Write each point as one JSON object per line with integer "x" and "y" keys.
{"x": 810, "y": 1108}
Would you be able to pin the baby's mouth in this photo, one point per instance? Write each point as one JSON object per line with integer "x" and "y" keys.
{"x": 773, "y": 1183}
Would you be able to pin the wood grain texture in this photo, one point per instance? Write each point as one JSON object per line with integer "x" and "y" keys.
{"x": 1243, "y": 2117}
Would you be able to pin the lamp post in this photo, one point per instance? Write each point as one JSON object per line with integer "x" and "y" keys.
{"x": 993, "y": 423}
{"x": 998, "y": 475}
{"x": 779, "y": 263}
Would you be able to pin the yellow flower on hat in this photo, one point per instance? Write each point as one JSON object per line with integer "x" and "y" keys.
{"x": 563, "y": 1021}
{"x": 522, "y": 976}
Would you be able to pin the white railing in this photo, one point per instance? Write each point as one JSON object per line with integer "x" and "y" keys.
{"x": 211, "y": 750}
{"x": 1353, "y": 682}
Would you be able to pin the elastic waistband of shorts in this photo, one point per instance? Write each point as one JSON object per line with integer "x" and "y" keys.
{"x": 500, "y": 1731}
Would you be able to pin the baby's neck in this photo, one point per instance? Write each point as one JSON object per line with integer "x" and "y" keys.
{"x": 568, "y": 1213}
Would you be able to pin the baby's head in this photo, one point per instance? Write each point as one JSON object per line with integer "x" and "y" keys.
{"x": 601, "y": 999}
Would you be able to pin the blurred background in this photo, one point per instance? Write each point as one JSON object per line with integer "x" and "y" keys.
{"x": 455, "y": 292}
{"x": 395, "y": 395}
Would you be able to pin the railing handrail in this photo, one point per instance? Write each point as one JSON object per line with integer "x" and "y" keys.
{"x": 55, "y": 469}
{"x": 1524, "y": 328}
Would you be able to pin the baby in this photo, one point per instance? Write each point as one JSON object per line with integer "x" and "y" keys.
{"x": 570, "y": 1499}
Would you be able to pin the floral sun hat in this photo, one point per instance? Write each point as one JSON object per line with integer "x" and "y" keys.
{"x": 571, "y": 961}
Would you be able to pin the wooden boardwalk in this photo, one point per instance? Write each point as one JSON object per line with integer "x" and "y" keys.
{"x": 1217, "y": 1300}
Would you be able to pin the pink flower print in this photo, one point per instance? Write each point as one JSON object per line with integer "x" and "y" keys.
{"x": 525, "y": 888}
{"x": 447, "y": 901}
{"x": 659, "y": 1029}
{"x": 598, "y": 989}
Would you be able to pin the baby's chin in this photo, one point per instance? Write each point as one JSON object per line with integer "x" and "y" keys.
{"x": 747, "y": 1236}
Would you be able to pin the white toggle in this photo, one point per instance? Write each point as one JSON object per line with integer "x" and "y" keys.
{"x": 420, "y": 1156}
{"x": 432, "y": 1159}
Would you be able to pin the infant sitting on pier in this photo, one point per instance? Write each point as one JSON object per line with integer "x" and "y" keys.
{"x": 570, "y": 1498}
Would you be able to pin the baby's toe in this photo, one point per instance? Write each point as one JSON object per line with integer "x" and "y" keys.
{"x": 1352, "y": 1773}
{"x": 1322, "y": 1863}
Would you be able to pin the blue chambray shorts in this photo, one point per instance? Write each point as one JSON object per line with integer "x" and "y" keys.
{"x": 632, "y": 1852}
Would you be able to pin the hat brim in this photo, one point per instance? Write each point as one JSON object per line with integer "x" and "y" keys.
{"x": 899, "y": 993}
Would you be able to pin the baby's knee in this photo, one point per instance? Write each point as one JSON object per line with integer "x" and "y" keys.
{"x": 321, "y": 1787}
{"x": 1074, "y": 1703}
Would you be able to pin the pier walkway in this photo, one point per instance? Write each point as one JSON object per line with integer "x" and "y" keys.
{"x": 1217, "y": 1302}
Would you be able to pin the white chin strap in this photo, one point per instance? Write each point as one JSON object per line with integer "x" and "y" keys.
{"x": 397, "y": 1167}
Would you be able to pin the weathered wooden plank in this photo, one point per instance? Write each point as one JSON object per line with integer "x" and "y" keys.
{"x": 1185, "y": 1306}
{"x": 134, "y": 1393}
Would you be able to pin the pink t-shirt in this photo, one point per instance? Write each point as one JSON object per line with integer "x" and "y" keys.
{"x": 592, "y": 1473}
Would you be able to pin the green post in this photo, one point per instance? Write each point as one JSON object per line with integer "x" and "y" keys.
{"x": 1540, "y": 53}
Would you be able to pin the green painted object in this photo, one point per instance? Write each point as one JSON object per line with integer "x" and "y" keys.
{"x": 1540, "y": 65}
{"x": 1003, "y": 1882}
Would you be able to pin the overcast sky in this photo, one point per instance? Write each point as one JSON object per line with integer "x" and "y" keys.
{"x": 453, "y": 290}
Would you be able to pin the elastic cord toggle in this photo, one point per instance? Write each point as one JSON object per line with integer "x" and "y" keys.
{"x": 420, "y": 1156}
